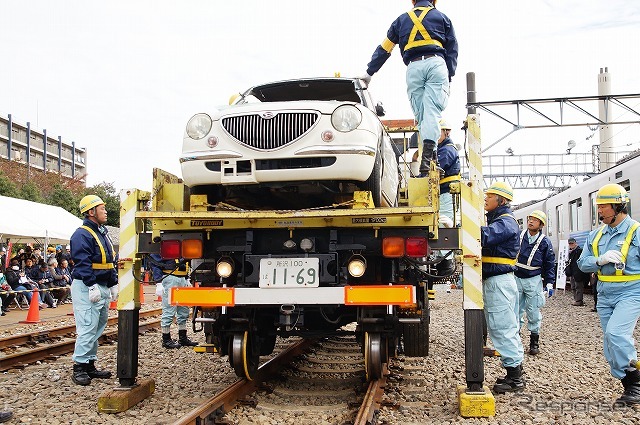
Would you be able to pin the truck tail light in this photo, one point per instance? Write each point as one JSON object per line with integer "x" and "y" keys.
{"x": 192, "y": 248}
{"x": 393, "y": 247}
{"x": 170, "y": 249}
{"x": 416, "y": 247}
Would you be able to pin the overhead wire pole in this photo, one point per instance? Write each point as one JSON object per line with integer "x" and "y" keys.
{"x": 475, "y": 399}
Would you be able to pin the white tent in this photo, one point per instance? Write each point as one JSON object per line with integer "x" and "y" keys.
{"x": 23, "y": 221}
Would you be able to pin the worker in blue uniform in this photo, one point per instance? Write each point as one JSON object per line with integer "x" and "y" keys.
{"x": 536, "y": 262}
{"x": 613, "y": 252}
{"x": 429, "y": 48}
{"x": 449, "y": 161}
{"x": 95, "y": 282}
{"x": 172, "y": 274}
{"x": 500, "y": 244}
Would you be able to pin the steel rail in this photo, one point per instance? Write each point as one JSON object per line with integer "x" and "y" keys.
{"x": 228, "y": 398}
{"x": 62, "y": 331}
{"x": 372, "y": 399}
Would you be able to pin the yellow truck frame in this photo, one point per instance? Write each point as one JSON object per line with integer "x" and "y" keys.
{"x": 173, "y": 210}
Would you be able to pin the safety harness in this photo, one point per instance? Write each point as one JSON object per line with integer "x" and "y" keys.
{"x": 528, "y": 266}
{"x": 624, "y": 250}
{"x": 102, "y": 265}
{"x": 501, "y": 260}
{"x": 418, "y": 28}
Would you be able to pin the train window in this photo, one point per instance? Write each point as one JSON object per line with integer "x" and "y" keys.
{"x": 594, "y": 210}
{"x": 627, "y": 186}
{"x": 575, "y": 208}
{"x": 559, "y": 223}
{"x": 549, "y": 225}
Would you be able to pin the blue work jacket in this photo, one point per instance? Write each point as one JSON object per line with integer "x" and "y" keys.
{"x": 449, "y": 161}
{"x": 87, "y": 254}
{"x": 542, "y": 263}
{"x": 500, "y": 238}
{"x": 440, "y": 38}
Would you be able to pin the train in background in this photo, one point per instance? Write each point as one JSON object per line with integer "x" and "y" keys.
{"x": 573, "y": 212}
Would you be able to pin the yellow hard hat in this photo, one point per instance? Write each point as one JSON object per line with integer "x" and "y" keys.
{"x": 88, "y": 202}
{"x": 612, "y": 194}
{"x": 503, "y": 189}
{"x": 539, "y": 215}
{"x": 444, "y": 125}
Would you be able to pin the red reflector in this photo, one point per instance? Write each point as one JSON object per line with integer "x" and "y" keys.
{"x": 170, "y": 249}
{"x": 416, "y": 247}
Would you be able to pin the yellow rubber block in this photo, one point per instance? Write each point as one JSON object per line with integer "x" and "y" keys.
{"x": 476, "y": 405}
{"x": 119, "y": 400}
{"x": 205, "y": 348}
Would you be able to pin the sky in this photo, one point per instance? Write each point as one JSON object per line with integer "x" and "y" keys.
{"x": 122, "y": 78}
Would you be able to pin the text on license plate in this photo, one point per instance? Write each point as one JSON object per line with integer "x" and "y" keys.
{"x": 289, "y": 272}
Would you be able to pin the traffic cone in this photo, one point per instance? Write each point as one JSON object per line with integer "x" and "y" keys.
{"x": 33, "y": 315}
{"x": 113, "y": 305}
{"x": 141, "y": 293}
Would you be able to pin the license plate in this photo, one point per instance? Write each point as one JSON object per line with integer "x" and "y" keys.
{"x": 289, "y": 272}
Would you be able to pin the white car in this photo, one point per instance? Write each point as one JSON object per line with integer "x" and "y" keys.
{"x": 292, "y": 144}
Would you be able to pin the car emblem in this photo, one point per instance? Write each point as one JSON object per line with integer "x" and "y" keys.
{"x": 267, "y": 115}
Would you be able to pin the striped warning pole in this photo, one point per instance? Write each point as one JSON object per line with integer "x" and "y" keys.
{"x": 129, "y": 287}
{"x": 475, "y": 399}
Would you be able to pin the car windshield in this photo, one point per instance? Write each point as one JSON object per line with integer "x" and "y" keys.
{"x": 285, "y": 91}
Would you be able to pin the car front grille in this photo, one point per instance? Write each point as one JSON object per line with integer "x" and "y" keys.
{"x": 265, "y": 134}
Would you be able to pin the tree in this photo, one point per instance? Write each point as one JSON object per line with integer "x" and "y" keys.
{"x": 7, "y": 186}
{"x": 107, "y": 192}
{"x": 30, "y": 192}
{"x": 64, "y": 198}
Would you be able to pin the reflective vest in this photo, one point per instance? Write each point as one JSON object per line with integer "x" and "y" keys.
{"x": 624, "y": 250}
{"x": 418, "y": 28}
{"x": 103, "y": 265}
{"x": 528, "y": 265}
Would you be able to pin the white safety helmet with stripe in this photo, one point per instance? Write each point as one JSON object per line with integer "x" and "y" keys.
{"x": 539, "y": 215}
{"x": 444, "y": 125}
{"x": 89, "y": 202}
{"x": 503, "y": 189}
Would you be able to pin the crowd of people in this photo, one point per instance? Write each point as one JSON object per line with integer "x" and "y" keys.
{"x": 30, "y": 270}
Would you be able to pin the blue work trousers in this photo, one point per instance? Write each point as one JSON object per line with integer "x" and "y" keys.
{"x": 446, "y": 205}
{"x": 168, "y": 310}
{"x": 428, "y": 90}
{"x": 91, "y": 319}
{"x": 530, "y": 300}
{"x": 619, "y": 309}
{"x": 500, "y": 295}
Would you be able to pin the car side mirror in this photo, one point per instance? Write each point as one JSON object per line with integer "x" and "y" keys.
{"x": 380, "y": 109}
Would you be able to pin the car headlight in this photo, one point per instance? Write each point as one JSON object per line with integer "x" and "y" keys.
{"x": 346, "y": 118}
{"x": 199, "y": 126}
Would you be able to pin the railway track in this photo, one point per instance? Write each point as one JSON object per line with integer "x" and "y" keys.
{"x": 308, "y": 377}
{"x": 23, "y": 349}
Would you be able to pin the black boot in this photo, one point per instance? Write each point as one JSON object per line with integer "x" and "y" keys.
{"x": 428, "y": 155}
{"x": 167, "y": 342}
{"x": 80, "y": 375}
{"x": 631, "y": 384}
{"x": 183, "y": 340}
{"x": 95, "y": 373}
{"x": 512, "y": 382}
{"x": 534, "y": 344}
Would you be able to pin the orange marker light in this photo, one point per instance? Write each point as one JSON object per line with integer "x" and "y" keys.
{"x": 393, "y": 247}
{"x": 192, "y": 248}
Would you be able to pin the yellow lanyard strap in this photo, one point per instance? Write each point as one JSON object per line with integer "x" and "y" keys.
{"x": 418, "y": 27}
{"x": 103, "y": 265}
{"x": 624, "y": 250}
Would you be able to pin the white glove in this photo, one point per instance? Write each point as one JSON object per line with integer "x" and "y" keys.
{"x": 611, "y": 256}
{"x": 366, "y": 78}
{"x": 159, "y": 289}
{"x": 114, "y": 292}
{"x": 94, "y": 293}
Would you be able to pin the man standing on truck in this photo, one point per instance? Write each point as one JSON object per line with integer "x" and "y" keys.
{"x": 95, "y": 281}
{"x": 500, "y": 244}
{"x": 613, "y": 252}
{"x": 536, "y": 262}
{"x": 430, "y": 50}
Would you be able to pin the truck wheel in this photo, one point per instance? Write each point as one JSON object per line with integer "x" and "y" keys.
{"x": 372, "y": 184}
{"x": 416, "y": 336}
